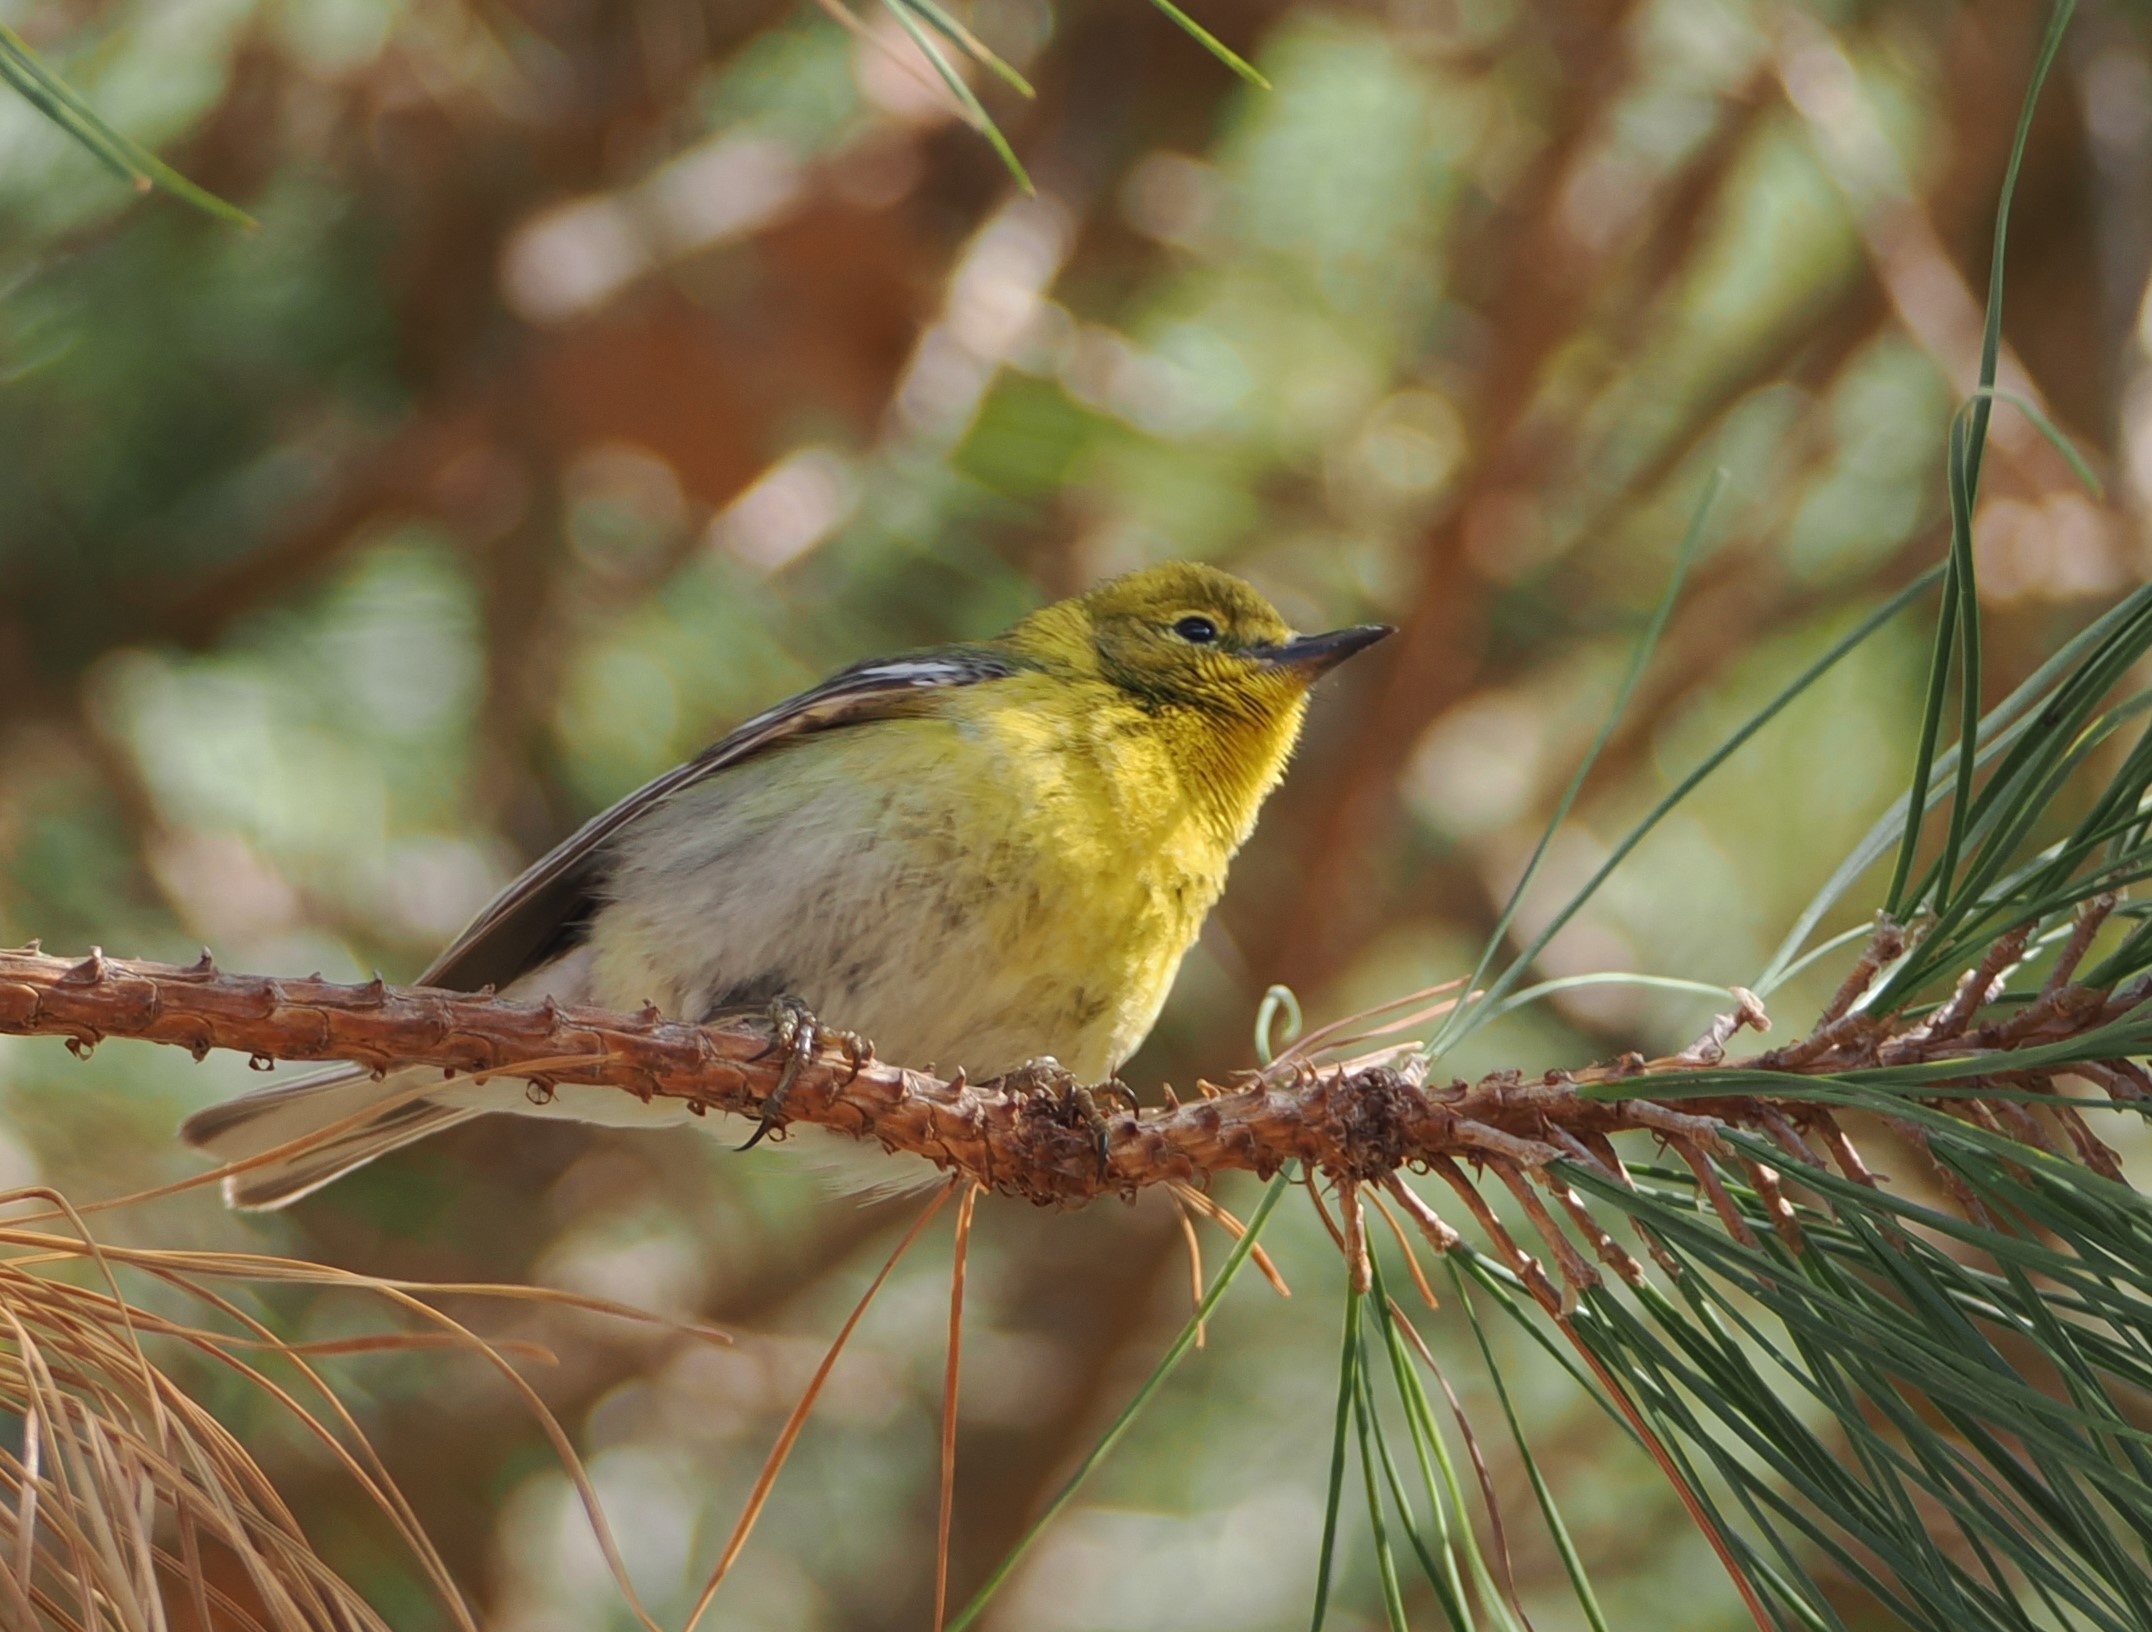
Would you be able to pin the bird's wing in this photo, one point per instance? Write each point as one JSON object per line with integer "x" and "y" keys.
{"x": 537, "y": 915}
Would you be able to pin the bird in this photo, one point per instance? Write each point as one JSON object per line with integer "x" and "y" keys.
{"x": 981, "y": 855}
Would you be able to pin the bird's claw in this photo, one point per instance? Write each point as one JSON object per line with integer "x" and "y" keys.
{"x": 1041, "y": 1075}
{"x": 1078, "y": 1104}
{"x": 794, "y": 1029}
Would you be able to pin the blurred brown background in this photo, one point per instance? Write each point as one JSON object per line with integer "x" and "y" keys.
{"x": 605, "y": 369}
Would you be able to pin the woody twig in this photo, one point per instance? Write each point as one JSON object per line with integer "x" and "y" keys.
{"x": 1356, "y": 1126}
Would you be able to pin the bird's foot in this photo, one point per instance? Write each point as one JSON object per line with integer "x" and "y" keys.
{"x": 1078, "y": 1104}
{"x": 794, "y": 1029}
{"x": 1041, "y": 1075}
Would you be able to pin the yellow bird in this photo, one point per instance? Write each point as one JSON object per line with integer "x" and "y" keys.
{"x": 975, "y": 855}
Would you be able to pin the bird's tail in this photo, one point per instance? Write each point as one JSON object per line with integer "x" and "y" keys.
{"x": 334, "y": 1121}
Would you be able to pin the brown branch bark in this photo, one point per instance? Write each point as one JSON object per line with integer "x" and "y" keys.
{"x": 1048, "y": 1144}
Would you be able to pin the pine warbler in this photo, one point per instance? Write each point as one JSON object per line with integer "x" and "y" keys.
{"x": 974, "y": 855}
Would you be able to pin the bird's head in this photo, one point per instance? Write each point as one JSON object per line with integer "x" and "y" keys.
{"x": 1184, "y": 636}
{"x": 1221, "y": 678}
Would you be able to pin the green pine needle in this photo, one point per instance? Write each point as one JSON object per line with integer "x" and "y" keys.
{"x": 1175, "y": 1353}
{"x": 975, "y": 113}
{"x": 122, "y": 154}
{"x": 1215, "y": 46}
{"x": 1348, "y": 1378}
{"x": 972, "y": 46}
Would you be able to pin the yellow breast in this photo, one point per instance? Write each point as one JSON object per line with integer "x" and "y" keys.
{"x": 1113, "y": 842}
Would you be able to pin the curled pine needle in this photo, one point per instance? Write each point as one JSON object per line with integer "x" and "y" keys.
{"x": 1278, "y": 1000}
{"x": 1354, "y": 1029}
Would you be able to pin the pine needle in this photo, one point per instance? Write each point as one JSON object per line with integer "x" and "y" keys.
{"x": 1195, "y": 1260}
{"x": 1218, "y": 1214}
{"x": 948, "y": 1427}
{"x": 779, "y": 1452}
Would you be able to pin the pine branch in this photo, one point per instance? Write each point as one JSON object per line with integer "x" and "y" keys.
{"x": 1044, "y": 1137}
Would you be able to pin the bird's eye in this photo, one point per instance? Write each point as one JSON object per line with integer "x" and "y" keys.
{"x": 1196, "y": 630}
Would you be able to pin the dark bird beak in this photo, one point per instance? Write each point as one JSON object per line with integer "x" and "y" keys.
{"x": 1315, "y": 655}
